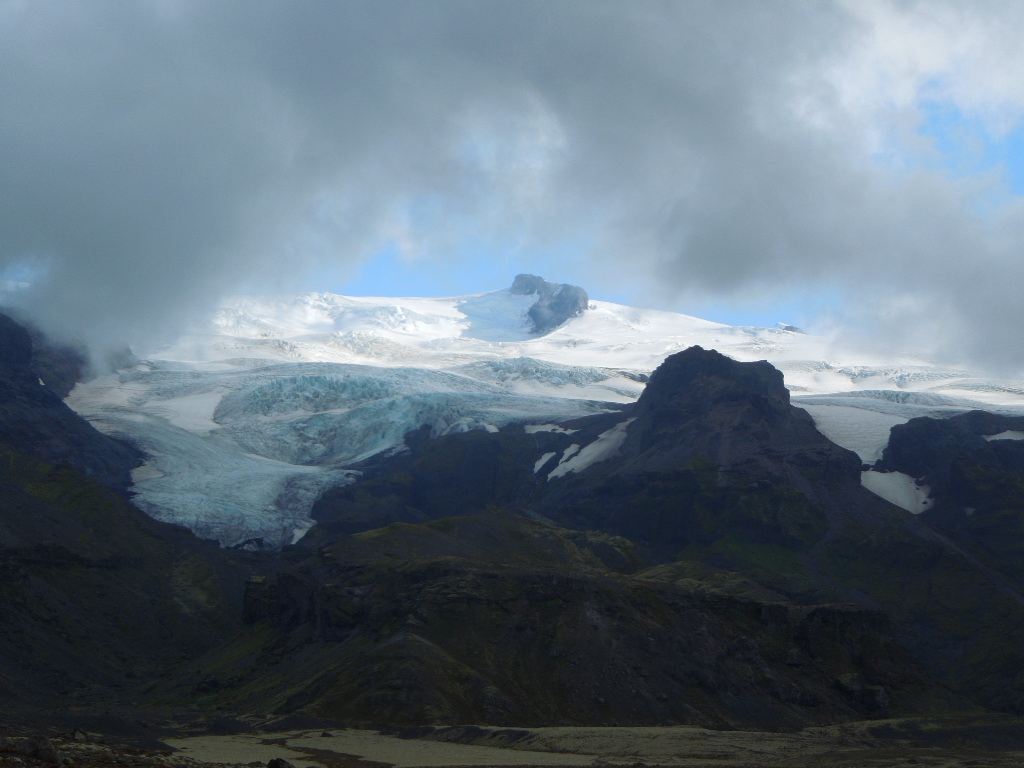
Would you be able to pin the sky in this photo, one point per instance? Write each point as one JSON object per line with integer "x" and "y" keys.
{"x": 855, "y": 167}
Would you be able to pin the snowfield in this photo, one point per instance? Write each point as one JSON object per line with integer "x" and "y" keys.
{"x": 246, "y": 420}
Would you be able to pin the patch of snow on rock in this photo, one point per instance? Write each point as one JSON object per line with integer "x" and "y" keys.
{"x": 542, "y": 461}
{"x": 899, "y": 489}
{"x": 604, "y": 447}
{"x": 532, "y": 429}
{"x": 1008, "y": 435}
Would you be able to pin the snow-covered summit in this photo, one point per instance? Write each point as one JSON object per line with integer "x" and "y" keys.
{"x": 247, "y": 419}
{"x": 438, "y": 332}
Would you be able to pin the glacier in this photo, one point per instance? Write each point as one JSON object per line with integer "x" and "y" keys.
{"x": 249, "y": 417}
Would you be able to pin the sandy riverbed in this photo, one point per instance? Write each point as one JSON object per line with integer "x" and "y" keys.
{"x": 307, "y": 749}
{"x": 932, "y": 743}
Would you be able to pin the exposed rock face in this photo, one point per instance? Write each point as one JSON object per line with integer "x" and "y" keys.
{"x": 556, "y": 302}
{"x": 716, "y": 450}
{"x": 35, "y": 421}
{"x": 940, "y": 452}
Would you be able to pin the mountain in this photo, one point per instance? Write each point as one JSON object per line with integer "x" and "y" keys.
{"x": 245, "y": 422}
{"x": 723, "y": 487}
{"x": 467, "y": 519}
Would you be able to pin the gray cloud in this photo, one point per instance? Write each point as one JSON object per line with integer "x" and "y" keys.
{"x": 157, "y": 155}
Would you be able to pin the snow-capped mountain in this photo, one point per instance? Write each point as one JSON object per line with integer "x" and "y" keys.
{"x": 246, "y": 420}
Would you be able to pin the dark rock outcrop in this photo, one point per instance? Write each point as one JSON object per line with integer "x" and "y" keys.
{"x": 556, "y": 302}
{"x": 944, "y": 453}
{"x": 702, "y": 404}
{"x": 715, "y": 451}
{"x": 60, "y": 366}
{"x": 35, "y": 421}
{"x": 977, "y": 484}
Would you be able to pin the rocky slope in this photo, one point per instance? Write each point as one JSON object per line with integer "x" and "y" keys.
{"x": 35, "y": 421}
{"x": 495, "y": 618}
{"x": 715, "y": 475}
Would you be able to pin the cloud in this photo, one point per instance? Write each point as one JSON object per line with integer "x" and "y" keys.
{"x": 159, "y": 154}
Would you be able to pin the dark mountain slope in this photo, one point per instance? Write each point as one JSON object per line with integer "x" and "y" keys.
{"x": 976, "y": 478}
{"x": 34, "y": 421}
{"x": 94, "y": 594}
{"x": 718, "y": 477}
{"x": 716, "y": 450}
{"x": 496, "y": 618}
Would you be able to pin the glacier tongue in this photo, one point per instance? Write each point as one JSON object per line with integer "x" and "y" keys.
{"x": 245, "y": 421}
{"x": 241, "y": 454}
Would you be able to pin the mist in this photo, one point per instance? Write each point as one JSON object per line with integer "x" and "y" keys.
{"x": 159, "y": 155}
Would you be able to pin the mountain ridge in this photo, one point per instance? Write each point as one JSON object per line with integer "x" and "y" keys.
{"x": 685, "y": 558}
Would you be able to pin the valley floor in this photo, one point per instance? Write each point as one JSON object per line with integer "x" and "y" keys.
{"x": 939, "y": 742}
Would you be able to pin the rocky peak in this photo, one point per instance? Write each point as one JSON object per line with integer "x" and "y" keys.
{"x": 700, "y": 403}
{"x": 702, "y": 377}
{"x": 556, "y": 302}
